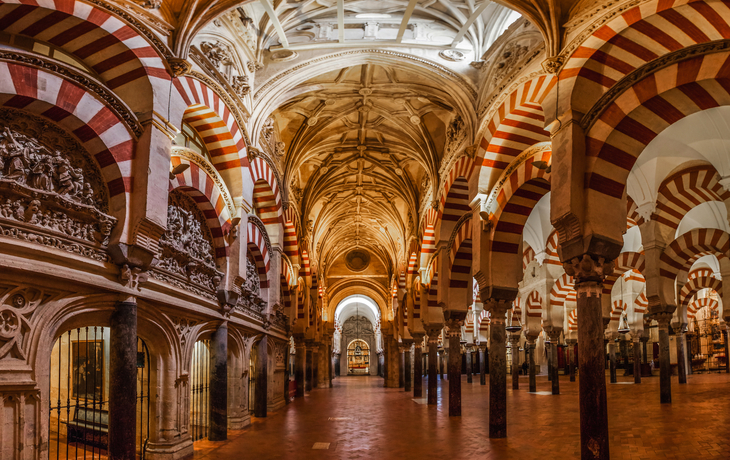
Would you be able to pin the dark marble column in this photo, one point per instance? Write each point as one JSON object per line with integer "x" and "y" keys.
{"x": 401, "y": 366}
{"x": 386, "y": 347}
{"x": 612, "y": 358}
{"x": 454, "y": 336}
{"x": 330, "y": 361}
{"x": 497, "y": 368}
{"x": 418, "y": 366}
{"x": 625, "y": 355}
{"x": 337, "y": 365}
{"x": 727, "y": 355}
{"x": 591, "y": 357}
{"x": 441, "y": 363}
{"x": 514, "y": 340}
{"x": 681, "y": 363}
{"x": 262, "y": 378}
{"x": 308, "y": 377}
{"x": 407, "y": 367}
{"x": 482, "y": 364}
{"x": 637, "y": 360}
{"x": 665, "y": 370}
{"x": 533, "y": 378}
{"x": 315, "y": 365}
{"x": 554, "y": 334}
{"x": 300, "y": 366}
{"x": 645, "y": 355}
{"x": 468, "y": 363}
{"x": 571, "y": 356}
{"x": 432, "y": 367}
{"x": 549, "y": 348}
{"x": 218, "y": 393}
{"x": 123, "y": 381}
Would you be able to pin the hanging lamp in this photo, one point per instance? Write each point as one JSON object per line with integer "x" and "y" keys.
{"x": 623, "y": 326}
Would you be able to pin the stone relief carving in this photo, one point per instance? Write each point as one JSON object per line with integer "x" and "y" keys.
{"x": 48, "y": 186}
{"x": 511, "y": 54}
{"x": 244, "y": 27}
{"x": 240, "y": 85}
{"x": 218, "y": 53}
{"x": 184, "y": 328}
{"x": 455, "y": 134}
{"x": 187, "y": 248}
{"x": 252, "y": 283}
{"x": 16, "y": 308}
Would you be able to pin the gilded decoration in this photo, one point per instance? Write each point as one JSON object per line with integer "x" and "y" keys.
{"x": 51, "y": 191}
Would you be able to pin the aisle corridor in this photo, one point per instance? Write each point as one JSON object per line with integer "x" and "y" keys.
{"x": 362, "y": 420}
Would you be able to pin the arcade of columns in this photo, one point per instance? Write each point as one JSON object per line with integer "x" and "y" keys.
{"x": 233, "y": 173}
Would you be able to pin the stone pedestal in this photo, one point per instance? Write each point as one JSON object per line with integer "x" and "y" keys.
{"x": 482, "y": 364}
{"x": 262, "y": 380}
{"x": 454, "y": 336}
{"x": 514, "y": 340}
{"x": 300, "y": 366}
{"x": 665, "y": 370}
{"x": 123, "y": 381}
{"x": 418, "y": 367}
{"x": 592, "y": 383}
{"x": 497, "y": 368}
{"x": 432, "y": 367}
{"x": 637, "y": 360}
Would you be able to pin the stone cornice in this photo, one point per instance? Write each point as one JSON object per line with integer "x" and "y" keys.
{"x": 87, "y": 82}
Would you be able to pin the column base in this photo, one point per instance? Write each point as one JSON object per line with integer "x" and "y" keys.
{"x": 169, "y": 451}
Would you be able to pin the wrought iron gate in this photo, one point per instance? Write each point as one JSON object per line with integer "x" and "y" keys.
{"x": 200, "y": 384}
{"x": 79, "y": 395}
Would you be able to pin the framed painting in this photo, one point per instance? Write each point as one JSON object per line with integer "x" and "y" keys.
{"x": 88, "y": 369}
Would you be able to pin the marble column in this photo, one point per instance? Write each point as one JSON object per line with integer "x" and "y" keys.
{"x": 262, "y": 373}
{"x": 571, "y": 357}
{"x": 323, "y": 367}
{"x": 401, "y": 366}
{"x": 637, "y": 359}
{"x": 418, "y": 366}
{"x": 454, "y": 367}
{"x": 432, "y": 367}
{"x": 533, "y": 378}
{"x": 468, "y": 363}
{"x": 665, "y": 370}
{"x": 681, "y": 363}
{"x": 549, "y": 348}
{"x": 337, "y": 364}
{"x": 315, "y": 365}
{"x": 308, "y": 377}
{"x": 498, "y": 368}
{"x": 123, "y": 380}
{"x": 407, "y": 366}
{"x": 612, "y": 358}
{"x": 441, "y": 363}
{"x": 727, "y": 355}
{"x": 482, "y": 364}
{"x": 592, "y": 384}
{"x": 300, "y": 366}
{"x": 554, "y": 334}
{"x": 566, "y": 361}
{"x": 331, "y": 359}
{"x": 514, "y": 340}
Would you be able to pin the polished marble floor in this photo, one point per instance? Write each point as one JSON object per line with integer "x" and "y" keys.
{"x": 359, "y": 419}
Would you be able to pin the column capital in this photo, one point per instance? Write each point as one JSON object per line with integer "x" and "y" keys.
{"x": 663, "y": 318}
{"x": 514, "y": 339}
{"x": 553, "y": 332}
{"x": 453, "y": 327}
{"x": 588, "y": 268}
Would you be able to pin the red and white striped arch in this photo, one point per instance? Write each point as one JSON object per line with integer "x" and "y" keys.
{"x": 698, "y": 280}
{"x": 266, "y": 193}
{"x": 641, "y": 304}
{"x": 573, "y": 320}
{"x": 630, "y": 122}
{"x": 291, "y": 242}
{"x": 456, "y": 203}
{"x": 463, "y": 168}
{"x": 632, "y": 214}
{"x": 285, "y": 280}
{"x": 461, "y": 257}
{"x": 699, "y": 304}
{"x": 305, "y": 269}
{"x": 470, "y": 322}
{"x": 637, "y": 37}
{"x": 534, "y": 305}
{"x": 217, "y": 126}
{"x": 121, "y": 57}
{"x": 105, "y": 136}
{"x": 687, "y": 248}
{"x": 433, "y": 287}
{"x": 528, "y": 255}
{"x": 617, "y": 308}
{"x": 286, "y": 273}
{"x": 413, "y": 264}
{"x": 484, "y": 320}
{"x": 417, "y": 300}
{"x": 551, "y": 250}
{"x": 258, "y": 249}
{"x": 517, "y": 124}
{"x": 197, "y": 184}
{"x": 428, "y": 242}
{"x": 686, "y": 189}
{"x": 517, "y": 309}
{"x": 624, "y": 262}
{"x": 562, "y": 291}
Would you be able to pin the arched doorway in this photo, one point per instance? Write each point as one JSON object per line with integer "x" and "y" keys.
{"x": 358, "y": 358}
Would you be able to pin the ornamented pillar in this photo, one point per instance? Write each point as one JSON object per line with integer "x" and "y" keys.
{"x": 418, "y": 366}
{"x": 433, "y": 360}
{"x": 571, "y": 357}
{"x": 589, "y": 273}
{"x": 497, "y": 368}
{"x": 454, "y": 335}
{"x": 123, "y": 380}
{"x": 300, "y": 365}
{"x": 665, "y": 370}
{"x": 262, "y": 380}
{"x": 407, "y": 366}
{"x": 637, "y": 359}
{"x": 531, "y": 347}
{"x": 514, "y": 340}
{"x": 554, "y": 334}
{"x": 482, "y": 364}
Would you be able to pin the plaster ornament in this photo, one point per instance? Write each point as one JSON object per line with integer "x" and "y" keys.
{"x": 455, "y": 134}
{"x": 510, "y": 56}
{"x": 240, "y": 85}
{"x": 312, "y": 121}
{"x": 218, "y": 53}
{"x": 552, "y": 65}
{"x": 452, "y": 55}
{"x": 244, "y": 27}
{"x": 646, "y": 210}
{"x": 415, "y": 119}
{"x": 132, "y": 277}
{"x": 330, "y": 102}
{"x": 284, "y": 55}
{"x": 254, "y": 66}
{"x": 187, "y": 248}
{"x": 16, "y": 310}
{"x": 152, "y": 4}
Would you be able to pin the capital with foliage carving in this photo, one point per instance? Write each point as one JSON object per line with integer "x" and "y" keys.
{"x": 588, "y": 268}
